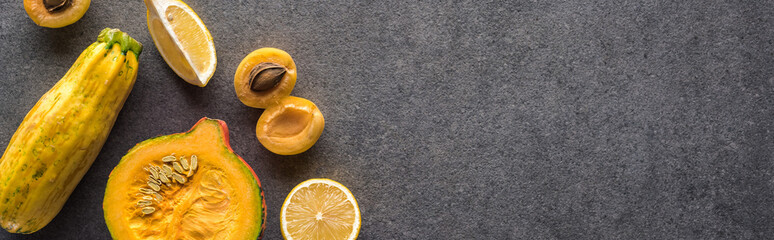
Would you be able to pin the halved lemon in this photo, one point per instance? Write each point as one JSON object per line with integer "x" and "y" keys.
{"x": 182, "y": 39}
{"x": 320, "y": 208}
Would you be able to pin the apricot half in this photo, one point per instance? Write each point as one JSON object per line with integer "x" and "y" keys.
{"x": 56, "y": 13}
{"x": 290, "y": 127}
{"x": 264, "y": 77}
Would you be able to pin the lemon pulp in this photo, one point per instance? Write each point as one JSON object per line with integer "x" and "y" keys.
{"x": 320, "y": 209}
{"x": 182, "y": 39}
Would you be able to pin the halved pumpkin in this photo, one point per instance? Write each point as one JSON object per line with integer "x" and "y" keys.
{"x": 185, "y": 186}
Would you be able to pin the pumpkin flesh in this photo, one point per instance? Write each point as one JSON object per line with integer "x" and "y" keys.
{"x": 221, "y": 200}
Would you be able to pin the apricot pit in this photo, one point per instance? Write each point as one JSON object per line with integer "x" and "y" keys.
{"x": 290, "y": 127}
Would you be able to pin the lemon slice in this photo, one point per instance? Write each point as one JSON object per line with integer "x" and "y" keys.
{"x": 320, "y": 209}
{"x": 182, "y": 39}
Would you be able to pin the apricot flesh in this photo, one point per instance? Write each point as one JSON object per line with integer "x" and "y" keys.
{"x": 291, "y": 126}
{"x": 270, "y": 96}
{"x": 68, "y": 14}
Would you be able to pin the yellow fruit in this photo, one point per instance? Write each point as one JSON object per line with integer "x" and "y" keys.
{"x": 279, "y": 78}
{"x": 291, "y": 126}
{"x": 182, "y": 40}
{"x": 55, "y": 13}
{"x": 320, "y": 209}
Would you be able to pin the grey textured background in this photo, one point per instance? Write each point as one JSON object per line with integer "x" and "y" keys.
{"x": 465, "y": 119}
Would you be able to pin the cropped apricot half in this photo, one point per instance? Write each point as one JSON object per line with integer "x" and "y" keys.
{"x": 290, "y": 127}
{"x": 264, "y": 77}
{"x": 56, "y": 13}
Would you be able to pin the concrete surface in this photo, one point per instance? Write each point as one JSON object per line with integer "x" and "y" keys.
{"x": 465, "y": 119}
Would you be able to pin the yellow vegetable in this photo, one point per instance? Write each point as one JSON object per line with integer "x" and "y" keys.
{"x": 206, "y": 192}
{"x": 61, "y": 136}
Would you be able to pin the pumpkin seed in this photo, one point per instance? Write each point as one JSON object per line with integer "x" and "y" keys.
{"x": 154, "y": 186}
{"x": 148, "y": 210}
{"x": 177, "y": 167}
{"x": 169, "y": 158}
{"x": 158, "y": 169}
{"x": 194, "y": 162}
{"x": 158, "y": 197}
{"x": 143, "y": 203}
{"x": 179, "y": 178}
{"x": 147, "y": 198}
{"x": 165, "y": 180}
{"x": 167, "y": 170}
{"x": 184, "y": 163}
{"x": 154, "y": 171}
{"x": 147, "y": 191}
{"x": 153, "y": 180}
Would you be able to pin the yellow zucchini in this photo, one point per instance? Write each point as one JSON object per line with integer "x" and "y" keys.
{"x": 61, "y": 136}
